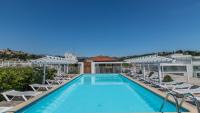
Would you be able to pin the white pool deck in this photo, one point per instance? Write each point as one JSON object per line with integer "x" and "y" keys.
{"x": 24, "y": 104}
{"x": 191, "y": 108}
{"x": 4, "y": 109}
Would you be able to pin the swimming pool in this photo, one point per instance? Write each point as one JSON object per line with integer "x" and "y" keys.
{"x": 100, "y": 93}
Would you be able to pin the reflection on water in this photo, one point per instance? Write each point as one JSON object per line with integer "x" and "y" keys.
{"x": 100, "y": 79}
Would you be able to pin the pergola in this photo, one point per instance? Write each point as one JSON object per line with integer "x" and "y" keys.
{"x": 51, "y": 60}
{"x": 152, "y": 59}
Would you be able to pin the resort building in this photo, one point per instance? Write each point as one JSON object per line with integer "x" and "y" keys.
{"x": 74, "y": 79}
{"x": 102, "y": 64}
{"x": 176, "y": 65}
{"x": 70, "y": 64}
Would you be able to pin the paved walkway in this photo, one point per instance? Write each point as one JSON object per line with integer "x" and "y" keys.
{"x": 4, "y": 109}
{"x": 9, "y": 104}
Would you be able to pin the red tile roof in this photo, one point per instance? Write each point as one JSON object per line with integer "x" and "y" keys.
{"x": 102, "y": 59}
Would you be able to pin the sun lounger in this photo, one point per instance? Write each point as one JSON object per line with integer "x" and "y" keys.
{"x": 151, "y": 80}
{"x": 155, "y": 82}
{"x": 133, "y": 75}
{"x": 182, "y": 86}
{"x": 37, "y": 87}
{"x": 198, "y": 98}
{"x": 62, "y": 78}
{"x": 14, "y": 94}
{"x": 171, "y": 85}
{"x": 52, "y": 82}
{"x": 188, "y": 90}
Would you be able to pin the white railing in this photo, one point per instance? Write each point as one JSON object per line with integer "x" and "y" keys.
{"x": 14, "y": 63}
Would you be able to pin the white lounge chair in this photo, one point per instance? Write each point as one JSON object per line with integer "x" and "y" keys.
{"x": 14, "y": 94}
{"x": 52, "y": 82}
{"x": 172, "y": 85}
{"x": 188, "y": 90}
{"x": 198, "y": 98}
{"x": 182, "y": 86}
{"x": 37, "y": 87}
{"x": 62, "y": 78}
{"x": 154, "y": 78}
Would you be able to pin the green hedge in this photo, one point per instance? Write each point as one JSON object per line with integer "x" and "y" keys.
{"x": 19, "y": 78}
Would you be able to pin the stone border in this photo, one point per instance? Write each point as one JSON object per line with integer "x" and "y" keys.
{"x": 34, "y": 99}
{"x": 3, "y": 109}
{"x": 191, "y": 108}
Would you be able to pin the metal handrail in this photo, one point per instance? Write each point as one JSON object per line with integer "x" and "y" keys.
{"x": 193, "y": 98}
{"x": 178, "y": 106}
{"x": 176, "y": 100}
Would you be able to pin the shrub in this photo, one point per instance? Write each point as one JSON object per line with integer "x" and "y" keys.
{"x": 167, "y": 78}
{"x": 51, "y": 73}
{"x": 19, "y": 78}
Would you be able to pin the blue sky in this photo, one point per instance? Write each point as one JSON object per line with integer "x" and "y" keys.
{"x": 99, "y": 27}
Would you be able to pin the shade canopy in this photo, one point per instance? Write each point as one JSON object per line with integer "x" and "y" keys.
{"x": 51, "y": 60}
{"x": 152, "y": 59}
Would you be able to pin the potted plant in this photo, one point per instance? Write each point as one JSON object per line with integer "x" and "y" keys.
{"x": 167, "y": 78}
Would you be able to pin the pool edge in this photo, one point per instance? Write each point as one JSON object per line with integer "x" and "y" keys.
{"x": 34, "y": 99}
{"x": 187, "y": 106}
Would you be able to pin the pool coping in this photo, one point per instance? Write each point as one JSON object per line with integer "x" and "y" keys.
{"x": 191, "y": 108}
{"x": 34, "y": 99}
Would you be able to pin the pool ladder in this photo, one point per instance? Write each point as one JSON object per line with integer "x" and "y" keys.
{"x": 178, "y": 106}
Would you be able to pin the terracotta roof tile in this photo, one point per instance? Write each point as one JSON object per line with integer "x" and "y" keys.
{"x": 102, "y": 59}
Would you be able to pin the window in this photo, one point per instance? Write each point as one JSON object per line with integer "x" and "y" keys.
{"x": 196, "y": 68}
{"x": 175, "y": 69}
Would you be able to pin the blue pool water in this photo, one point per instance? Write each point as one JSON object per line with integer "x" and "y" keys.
{"x": 100, "y": 93}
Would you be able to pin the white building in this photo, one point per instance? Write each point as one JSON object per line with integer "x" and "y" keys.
{"x": 102, "y": 64}
{"x": 185, "y": 64}
{"x": 177, "y": 64}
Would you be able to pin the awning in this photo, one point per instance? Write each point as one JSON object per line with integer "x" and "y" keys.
{"x": 152, "y": 59}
